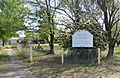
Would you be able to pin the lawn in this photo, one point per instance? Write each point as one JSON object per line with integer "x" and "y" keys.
{"x": 37, "y": 54}
{"x": 49, "y": 66}
{"x": 57, "y": 48}
{"x": 116, "y": 52}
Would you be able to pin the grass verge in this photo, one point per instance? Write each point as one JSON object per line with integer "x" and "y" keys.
{"x": 21, "y": 56}
{"x": 57, "y": 48}
{"x": 3, "y": 60}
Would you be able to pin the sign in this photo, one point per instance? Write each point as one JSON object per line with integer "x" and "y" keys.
{"x": 82, "y": 38}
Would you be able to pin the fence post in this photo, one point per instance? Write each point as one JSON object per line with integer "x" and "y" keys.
{"x": 62, "y": 56}
{"x": 22, "y": 50}
{"x": 99, "y": 56}
{"x": 25, "y": 51}
{"x": 31, "y": 56}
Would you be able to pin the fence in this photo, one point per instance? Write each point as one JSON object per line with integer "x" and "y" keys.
{"x": 26, "y": 51}
{"x": 83, "y": 55}
{"x": 40, "y": 49}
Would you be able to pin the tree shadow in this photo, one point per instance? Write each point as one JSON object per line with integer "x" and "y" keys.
{"x": 50, "y": 66}
{"x": 3, "y": 57}
{"x": 118, "y": 53}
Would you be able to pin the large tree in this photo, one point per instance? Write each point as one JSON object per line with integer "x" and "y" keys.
{"x": 111, "y": 16}
{"x": 46, "y": 13}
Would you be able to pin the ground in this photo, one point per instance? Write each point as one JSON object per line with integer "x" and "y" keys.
{"x": 49, "y": 66}
{"x": 47, "y": 69}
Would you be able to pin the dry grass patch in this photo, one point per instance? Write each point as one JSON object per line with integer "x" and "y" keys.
{"x": 3, "y": 61}
{"x": 49, "y": 66}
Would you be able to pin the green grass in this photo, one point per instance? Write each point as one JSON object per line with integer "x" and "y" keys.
{"x": 13, "y": 46}
{"x": 21, "y": 56}
{"x": 57, "y": 48}
{"x": 37, "y": 55}
{"x": 4, "y": 47}
{"x": 117, "y": 47}
{"x": 26, "y": 60}
{"x": 3, "y": 59}
{"x": 116, "y": 52}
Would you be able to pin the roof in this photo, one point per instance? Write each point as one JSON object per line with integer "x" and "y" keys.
{"x": 14, "y": 38}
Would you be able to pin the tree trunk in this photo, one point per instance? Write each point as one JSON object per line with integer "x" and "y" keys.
{"x": 3, "y": 42}
{"x": 51, "y": 44}
{"x": 110, "y": 50}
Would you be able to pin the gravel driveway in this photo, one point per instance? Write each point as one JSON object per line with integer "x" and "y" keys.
{"x": 16, "y": 68}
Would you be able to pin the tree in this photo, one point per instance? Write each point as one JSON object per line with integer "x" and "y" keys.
{"x": 11, "y": 17}
{"x": 111, "y": 14}
{"x": 92, "y": 12}
{"x": 82, "y": 19}
{"x": 72, "y": 10}
{"x": 46, "y": 13}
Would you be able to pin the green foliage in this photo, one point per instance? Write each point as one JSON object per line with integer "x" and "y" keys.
{"x": 64, "y": 39}
{"x": 11, "y": 17}
{"x": 34, "y": 36}
{"x": 44, "y": 32}
{"x": 21, "y": 55}
{"x": 65, "y": 36}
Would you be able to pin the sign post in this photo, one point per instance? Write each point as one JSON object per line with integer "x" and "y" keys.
{"x": 82, "y": 38}
{"x": 31, "y": 56}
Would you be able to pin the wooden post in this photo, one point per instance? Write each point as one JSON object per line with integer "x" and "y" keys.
{"x": 25, "y": 52}
{"x": 99, "y": 56}
{"x": 22, "y": 50}
{"x": 31, "y": 56}
{"x": 62, "y": 56}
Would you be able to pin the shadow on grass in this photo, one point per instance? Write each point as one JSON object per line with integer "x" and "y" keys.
{"x": 50, "y": 66}
{"x": 13, "y": 46}
{"x": 3, "y": 58}
{"x": 118, "y": 53}
{"x": 3, "y": 61}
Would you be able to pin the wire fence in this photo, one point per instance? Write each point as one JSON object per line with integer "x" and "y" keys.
{"x": 26, "y": 51}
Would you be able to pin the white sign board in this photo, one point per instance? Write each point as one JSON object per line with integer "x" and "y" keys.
{"x": 82, "y": 38}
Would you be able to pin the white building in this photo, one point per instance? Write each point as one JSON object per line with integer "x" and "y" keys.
{"x": 14, "y": 40}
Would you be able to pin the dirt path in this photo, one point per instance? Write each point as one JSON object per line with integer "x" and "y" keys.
{"x": 16, "y": 68}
